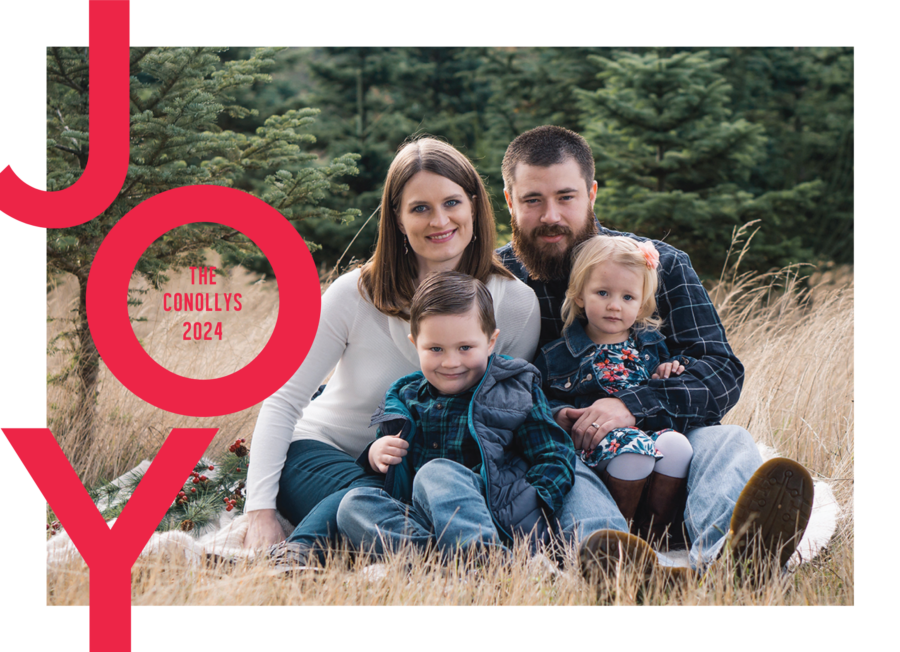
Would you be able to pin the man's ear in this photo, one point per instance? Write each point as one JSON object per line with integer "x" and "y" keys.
{"x": 411, "y": 339}
{"x": 509, "y": 199}
{"x": 493, "y": 341}
{"x": 592, "y": 194}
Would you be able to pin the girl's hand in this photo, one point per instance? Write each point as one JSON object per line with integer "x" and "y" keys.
{"x": 668, "y": 368}
{"x": 386, "y": 452}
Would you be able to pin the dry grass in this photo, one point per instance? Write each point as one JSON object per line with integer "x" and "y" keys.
{"x": 795, "y": 343}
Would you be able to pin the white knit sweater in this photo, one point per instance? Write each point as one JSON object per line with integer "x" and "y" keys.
{"x": 368, "y": 351}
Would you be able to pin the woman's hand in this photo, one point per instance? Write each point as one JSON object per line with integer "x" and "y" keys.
{"x": 265, "y": 530}
{"x": 666, "y": 369}
{"x": 386, "y": 452}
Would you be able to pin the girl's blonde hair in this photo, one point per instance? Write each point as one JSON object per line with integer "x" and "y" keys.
{"x": 611, "y": 249}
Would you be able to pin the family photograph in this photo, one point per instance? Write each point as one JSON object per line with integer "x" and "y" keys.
{"x": 574, "y": 307}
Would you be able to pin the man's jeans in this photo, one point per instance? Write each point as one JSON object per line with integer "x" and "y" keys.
{"x": 724, "y": 459}
{"x": 448, "y": 511}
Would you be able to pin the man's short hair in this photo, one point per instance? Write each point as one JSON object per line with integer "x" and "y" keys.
{"x": 545, "y": 146}
{"x": 451, "y": 293}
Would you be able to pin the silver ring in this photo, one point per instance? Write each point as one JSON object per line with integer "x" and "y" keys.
{"x": 595, "y": 425}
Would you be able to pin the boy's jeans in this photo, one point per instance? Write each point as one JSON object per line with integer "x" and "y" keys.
{"x": 724, "y": 459}
{"x": 448, "y": 510}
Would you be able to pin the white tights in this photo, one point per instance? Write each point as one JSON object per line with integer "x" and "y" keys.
{"x": 676, "y": 461}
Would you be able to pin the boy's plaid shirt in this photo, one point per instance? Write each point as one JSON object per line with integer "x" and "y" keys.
{"x": 442, "y": 432}
{"x": 711, "y": 383}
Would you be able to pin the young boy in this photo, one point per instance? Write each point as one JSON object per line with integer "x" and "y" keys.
{"x": 474, "y": 456}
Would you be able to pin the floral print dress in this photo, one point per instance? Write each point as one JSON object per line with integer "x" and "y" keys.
{"x": 618, "y": 367}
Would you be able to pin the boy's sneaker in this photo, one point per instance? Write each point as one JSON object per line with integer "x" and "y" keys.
{"x": 772, "y": 511}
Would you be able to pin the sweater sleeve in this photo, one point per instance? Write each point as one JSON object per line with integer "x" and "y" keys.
{"x": 518, "y": 316}
{"x": 282, "y": 410}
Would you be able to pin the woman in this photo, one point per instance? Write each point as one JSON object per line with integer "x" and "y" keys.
{"x": 435, "y": 216}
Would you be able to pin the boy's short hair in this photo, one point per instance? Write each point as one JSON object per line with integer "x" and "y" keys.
{"x": 451, "y": 293}
{"x": 545, "y": 146}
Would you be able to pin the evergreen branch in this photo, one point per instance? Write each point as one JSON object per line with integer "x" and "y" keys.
{"x": 166, "y": 88}
{"x": 65, "y": 76}
{"x": 136, "y": 101}
{"x": 67, "y": 150}
{"x": 140, "y": 56}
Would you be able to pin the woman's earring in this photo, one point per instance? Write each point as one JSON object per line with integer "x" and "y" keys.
{"x": 405, "y": 245}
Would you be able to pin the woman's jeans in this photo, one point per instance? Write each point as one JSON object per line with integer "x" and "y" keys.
{"x": 315, "y": 478}
{"x": 448, "y": 511}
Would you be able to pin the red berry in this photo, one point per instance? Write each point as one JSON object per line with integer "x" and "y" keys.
{"x": 212, "y": 468}
{"x": 229, "y": 508}
{"x": 195, "y": 481}
{"x": 193, "y": 490}
{"x": 243, "y": 440}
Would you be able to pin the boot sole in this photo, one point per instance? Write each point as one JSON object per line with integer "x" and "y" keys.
{"x": 602, "y": 551}
{"x": 775, "y": 505}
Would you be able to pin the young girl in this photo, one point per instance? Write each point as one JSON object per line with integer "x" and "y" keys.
{"x": 611, "y": 344}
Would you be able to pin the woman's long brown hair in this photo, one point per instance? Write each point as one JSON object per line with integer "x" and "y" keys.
{"x": 390, "y": 276}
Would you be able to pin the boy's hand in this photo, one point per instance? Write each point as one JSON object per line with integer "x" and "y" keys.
{"x": 666, "y": 369}
{"x": 597, "y": 420}
{"x": 386, "y": 452}
{"x": 567, "y": 417}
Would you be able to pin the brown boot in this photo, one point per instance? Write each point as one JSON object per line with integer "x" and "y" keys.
{"x": 626, "y": 493}
{"x": 661, "y": 513}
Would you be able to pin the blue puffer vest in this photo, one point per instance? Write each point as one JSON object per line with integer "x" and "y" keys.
{"x": 566, "y": 365}
{"x": 500, "y": 404}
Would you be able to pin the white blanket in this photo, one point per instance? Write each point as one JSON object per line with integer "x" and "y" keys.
{"x": 225, "y": 538}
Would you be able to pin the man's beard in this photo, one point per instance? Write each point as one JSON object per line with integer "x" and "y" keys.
{"x": 546, "y": 261}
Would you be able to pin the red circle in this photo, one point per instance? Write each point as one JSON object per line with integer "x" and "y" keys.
{"x": 299, "y": 301}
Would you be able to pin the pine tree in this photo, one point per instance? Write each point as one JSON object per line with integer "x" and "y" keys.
{"x": 673, "y": 164}
{"x": 178, "y": 96}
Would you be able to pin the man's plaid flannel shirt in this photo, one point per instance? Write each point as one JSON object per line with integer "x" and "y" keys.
{"x": 711, "y": 383}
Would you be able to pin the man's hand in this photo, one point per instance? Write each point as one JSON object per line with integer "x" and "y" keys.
{"x": 667, "y": 369}
{"x": 608, "y": 414}
{"x": 386, "y": 452}
{"x": 265, "y": 530}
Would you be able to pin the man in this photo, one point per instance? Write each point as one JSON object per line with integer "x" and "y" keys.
{"x": 549, "y": 186}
